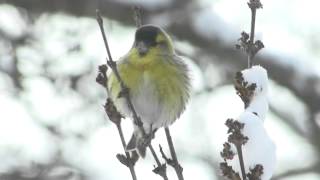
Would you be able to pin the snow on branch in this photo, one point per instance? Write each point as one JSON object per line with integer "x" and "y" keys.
{"x": 249, "y": 150}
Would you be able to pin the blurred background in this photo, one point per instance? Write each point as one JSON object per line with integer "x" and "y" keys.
{"x": 52, "y": 124}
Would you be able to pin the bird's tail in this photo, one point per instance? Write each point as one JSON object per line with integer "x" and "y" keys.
{"x": 136, "y": 144}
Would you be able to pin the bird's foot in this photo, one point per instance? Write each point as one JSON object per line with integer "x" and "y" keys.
{"x": 146, "y": 140}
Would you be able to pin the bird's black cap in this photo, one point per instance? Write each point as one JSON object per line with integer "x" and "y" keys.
{"x": 147, "y": 34}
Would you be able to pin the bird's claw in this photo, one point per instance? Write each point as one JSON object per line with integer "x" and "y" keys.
{"x": 146, "y": 140}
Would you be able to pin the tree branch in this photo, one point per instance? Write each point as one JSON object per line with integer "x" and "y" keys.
{"x": 174, "y": 161}
{"x": 116, "y": 117}
{"x": 126, "y": 94}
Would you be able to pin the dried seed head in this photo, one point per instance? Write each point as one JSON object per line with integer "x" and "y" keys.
{"x": 112, "y": 112}
{"x": 228, "y": 172}
{"x": 254, "y": 4}
{"x": 244, "y": 91}
{"x": 227, "y": 153}
{"x": 255, "y": 173}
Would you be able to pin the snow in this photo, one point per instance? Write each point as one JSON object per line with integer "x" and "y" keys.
{"x": 258, "y": 75}
{"x": 22, "y": 140}
{"x": 9, "y": 14}
{"x": 259, "y": 102}
{"x": 259, "y": 149}
{"x": 260, "y": 106}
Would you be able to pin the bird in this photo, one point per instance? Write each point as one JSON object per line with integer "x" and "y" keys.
{"x": 158, "y": 82}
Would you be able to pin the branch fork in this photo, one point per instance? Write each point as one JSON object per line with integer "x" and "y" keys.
{"x": 171, "y": 162}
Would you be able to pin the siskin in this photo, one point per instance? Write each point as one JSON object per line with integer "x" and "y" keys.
{"x": 158, "y": 82}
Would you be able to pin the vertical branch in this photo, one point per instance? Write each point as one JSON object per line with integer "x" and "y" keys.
{"x": 113, "y": 65}
{"x": 253, "y": 47}
{"x": 172, "y": 150}
{"x": 116, "y": 117}
{"x": 238, "y": 139}
{"x": 253, "y": 22}
{"x": 247, "y": 42}
{"x": 137, "y": 16}
{"x": 160, "y": 169}
{"x": 130, "y": 162}
{"x": 241, "y": 161}
{"x": 155, "y": 155}
{"x": 174, "y": 163}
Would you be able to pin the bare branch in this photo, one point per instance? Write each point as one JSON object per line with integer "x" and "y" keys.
{"x": 125, "y": 92}
{"x": 138, "y": 16}
{"x": 174, "y": 161}
{"x": 247, "y": 42}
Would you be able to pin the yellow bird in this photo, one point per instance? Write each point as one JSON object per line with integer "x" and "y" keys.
{"x": 158, "y": 81}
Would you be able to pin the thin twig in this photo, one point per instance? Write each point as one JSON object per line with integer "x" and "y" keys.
{"x": 161, "y": 169}
{"x": 112, "y": 64}
{"x": 125, "y": 93}
{"x": 238, "y": 139}
{"x": 253, "y": 47}
{"x": 175, "y": 164}
{"x": 156, "y": 157}
{"x": 130, "y": 163}
{"x": 253, "y": 21}
{"x": 164, "y": 155}
{"x": 241, "y": 161}
{"x": 116, "y": 117}
{"x": 137, "y": 16}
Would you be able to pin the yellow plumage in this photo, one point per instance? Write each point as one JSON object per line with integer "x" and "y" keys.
{"x": 158, "y": 84}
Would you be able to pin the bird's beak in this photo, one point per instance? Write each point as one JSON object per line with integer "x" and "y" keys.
{"x": 142, "y": 48}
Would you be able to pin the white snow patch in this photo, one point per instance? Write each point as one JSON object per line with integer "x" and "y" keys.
{"x": 22, "y": 141}
{"x": 259, "y": 149}
{"x": 258, "y": 75}
{"x": 11, "y": 21}
{"x": 260, "y": 106}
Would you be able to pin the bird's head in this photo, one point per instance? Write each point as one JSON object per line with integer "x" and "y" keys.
{"x": 150, "y": 37}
